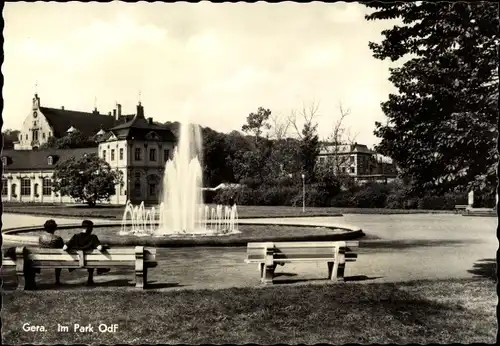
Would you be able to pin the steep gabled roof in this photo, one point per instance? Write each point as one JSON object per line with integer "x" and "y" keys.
{"x": 140, "y": 128}
{"x": 87, "y": 123}
{"x": 32, "y": 160}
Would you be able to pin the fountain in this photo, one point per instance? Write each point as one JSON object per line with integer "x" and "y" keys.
{"x": 181, "y": 211}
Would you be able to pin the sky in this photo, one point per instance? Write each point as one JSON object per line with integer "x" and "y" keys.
{"x": 210, "y": 64}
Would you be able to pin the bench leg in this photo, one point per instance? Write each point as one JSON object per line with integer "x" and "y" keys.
{"x": 333, "y": 268}
{"x": 139, "y": 279}
{"x": 267, "y": 273}
{"x": 21, "y": 282}
{"x": 341, "y": 270}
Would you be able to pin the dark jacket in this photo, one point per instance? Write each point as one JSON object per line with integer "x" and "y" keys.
{"x": 83, "y": 241}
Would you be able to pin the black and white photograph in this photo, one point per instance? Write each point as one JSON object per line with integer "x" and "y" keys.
{"x": 249, "y": 173}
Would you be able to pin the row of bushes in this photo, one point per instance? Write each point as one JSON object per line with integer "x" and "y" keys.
{"x": 373, "y": 195}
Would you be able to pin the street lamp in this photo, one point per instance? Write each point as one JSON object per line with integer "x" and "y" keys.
{"x": 303, "y": 193}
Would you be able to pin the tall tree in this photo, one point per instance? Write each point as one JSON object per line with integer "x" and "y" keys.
{"x": 442, "y": 123}
{"x": 257, "y": 123}
{"x": 338, "y": 144}
{"x": 309, "y": 139}
{"x": 89, "y": 179}
{"x": 216, "y": 167}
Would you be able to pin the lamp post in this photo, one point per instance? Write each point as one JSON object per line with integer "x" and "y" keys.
{"x": 303, "y": 193}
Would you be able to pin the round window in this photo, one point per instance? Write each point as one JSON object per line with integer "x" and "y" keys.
{"x": 35, "y": 114}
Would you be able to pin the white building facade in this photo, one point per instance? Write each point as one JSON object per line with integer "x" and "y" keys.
{"x": 133, "y": 145}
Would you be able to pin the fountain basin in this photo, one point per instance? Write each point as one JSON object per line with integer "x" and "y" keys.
{"x": 261, "y": 232}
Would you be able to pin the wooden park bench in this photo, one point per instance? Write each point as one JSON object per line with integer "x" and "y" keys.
{"x": 139, "y": 258}
{"x": 269, "y": 255}
{"x": 461, "y": 207}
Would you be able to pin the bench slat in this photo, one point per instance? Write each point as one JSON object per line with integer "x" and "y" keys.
{"x": 111, "y": 251}
{"x": 349, "y": 243}
{"x": 8, "y": 262}
{"x": 286, "y": 260}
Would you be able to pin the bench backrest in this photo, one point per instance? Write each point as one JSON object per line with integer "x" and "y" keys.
{"x": 299, "y": 251}
{"x": 43, "y": 257}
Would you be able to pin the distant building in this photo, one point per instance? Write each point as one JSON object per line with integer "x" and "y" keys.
{"x": 44, "y": 122}
{"x": 357, "y": 161}
{"x": 132, "y": 144}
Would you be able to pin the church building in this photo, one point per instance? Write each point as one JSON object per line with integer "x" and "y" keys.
{"x": 132, "y": 144}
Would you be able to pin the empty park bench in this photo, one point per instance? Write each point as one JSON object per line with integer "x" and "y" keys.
{"x": 269, "y": 255}
{"x": 461, "y": 207}
{"x": 140, "y": 258}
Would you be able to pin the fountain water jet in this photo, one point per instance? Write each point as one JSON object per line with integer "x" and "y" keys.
{"x": 182, "y": 210}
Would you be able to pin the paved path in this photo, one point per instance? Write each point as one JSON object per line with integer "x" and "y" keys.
{"x": 396, "y": 248}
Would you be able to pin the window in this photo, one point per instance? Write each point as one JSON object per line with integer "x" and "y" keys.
{"x": 26, "y": 137}
{"x": 43, "y": 135}
{"x": 104, "y": 154}
{"x": 321, "y": 160}
{"x": 47, "y": 187}
{"x": 13, "y": 190}
{"x": 50, "y": 161}
{"x": 137, "y": 154}
{"x": 137, "y": 188}
{"x": 34, "y": 123}
{"x": 166, "y": 154}
{"x": 152, "y": 189}
{"x": 352, "y": 159}
{"x": 152, "y": 154}
{"x": 4, "y": 187}
{"x": 112, "y": 154}
{"x": 25, "y": 187}
{"x": 121, "y": 153}
{"x": 352, "y": 169}
{"x": 35, "y": 190}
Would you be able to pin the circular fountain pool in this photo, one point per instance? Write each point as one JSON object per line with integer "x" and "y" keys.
{"x": 108, "y": 234}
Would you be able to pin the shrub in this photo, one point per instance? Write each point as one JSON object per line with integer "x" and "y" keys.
{"x": 372, "y": 195}
{"x": 342, "y": 199}
{"x": 209, "y": 196}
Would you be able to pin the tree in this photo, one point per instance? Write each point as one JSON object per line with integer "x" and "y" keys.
{"x": 339, "y": 139}
{"x": 216, "y": 165}
{"x": 257, "y": 123}
{"x": 72, "y": 140}
{"x": 309, "y": 140}
{"x": 89, "y": 179}
{"x": 9, "y": 137}
{"x": 279, "y": 127}
{"x": 442, "y": 123}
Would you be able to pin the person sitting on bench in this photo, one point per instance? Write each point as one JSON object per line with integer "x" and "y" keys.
{"x": 51, "y": 241}
{"x": 86, "y": 241}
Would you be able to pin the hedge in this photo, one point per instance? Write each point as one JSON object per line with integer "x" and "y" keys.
{"x": 371, "y": 195}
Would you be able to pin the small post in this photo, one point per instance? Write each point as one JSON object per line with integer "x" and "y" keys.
{"x": 471, "y": 199}
{"x": 303, "y": 193}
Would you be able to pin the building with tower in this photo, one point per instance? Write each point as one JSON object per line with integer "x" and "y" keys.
{"x": 130, "y": 143}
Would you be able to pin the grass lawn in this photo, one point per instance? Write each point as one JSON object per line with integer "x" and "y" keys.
{"x": 116, "y": 212}
{"x": 462, "y": 311}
